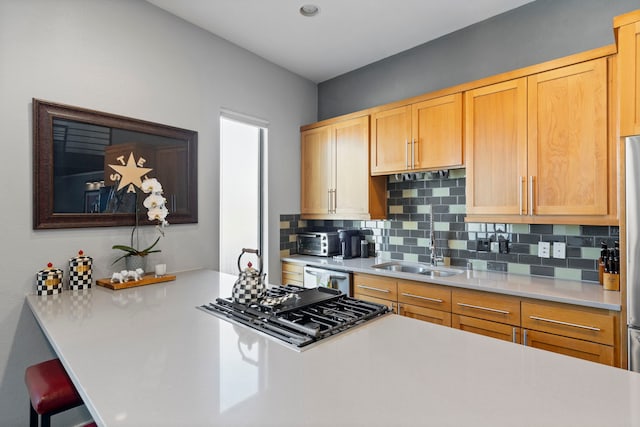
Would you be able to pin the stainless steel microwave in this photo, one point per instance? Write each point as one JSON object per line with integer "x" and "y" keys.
{"x": 325, "y": 243}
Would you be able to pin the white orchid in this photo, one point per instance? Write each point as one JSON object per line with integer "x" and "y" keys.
{"x": 151, "y": 185}
{"x": 156, "y": 211}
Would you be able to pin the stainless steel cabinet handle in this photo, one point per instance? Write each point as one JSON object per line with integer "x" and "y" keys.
{"x": 329, "y": 200}
{"x": 558, "y": 322}
{"x": 335, "y": 200}
{"x": 520, "y": 179}
{"x": 530, "y": 194}
{"x": 406, "y": 154}
{"x": 413, "y": 154}
{"x": 524, "y": 338}
{"x": 477, "y": 307}
{"x": 514, "y": 335}
{"x": 421, "y": 297}
{"x": 386, "y": 291}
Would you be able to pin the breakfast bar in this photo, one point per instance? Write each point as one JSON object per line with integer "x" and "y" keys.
{"x": 146, "y": 356}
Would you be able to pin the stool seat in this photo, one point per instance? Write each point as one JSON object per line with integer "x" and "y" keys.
{"x": 50, "y": 388}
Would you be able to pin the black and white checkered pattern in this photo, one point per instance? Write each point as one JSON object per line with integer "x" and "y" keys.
{"x": 80, "y": 273}
{"x": 49, "y": 281}
{"x": 248, "y": 290}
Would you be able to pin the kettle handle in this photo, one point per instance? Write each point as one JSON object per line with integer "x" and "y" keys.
{"x": 252, "y": 251}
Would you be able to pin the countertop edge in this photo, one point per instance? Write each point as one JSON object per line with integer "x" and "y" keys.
{"x": 458, "y": 281}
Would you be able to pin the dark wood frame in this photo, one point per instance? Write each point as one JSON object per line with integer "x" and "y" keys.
{"x": 43, "y": 216}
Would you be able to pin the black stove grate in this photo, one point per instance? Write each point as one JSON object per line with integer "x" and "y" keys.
{"x": 301, "y": 324}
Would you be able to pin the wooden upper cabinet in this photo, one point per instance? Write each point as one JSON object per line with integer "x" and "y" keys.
{"x": 418, "y": 137}
{"x": 391, "y": 140}
{"x": 335, "y": 179}
{"x": 568, "y": 140}
{"x": 540, "y": 150}
{"x": 316, "y": 161}
{"x": 437, "y": 133}
{"x": 628, "y": 31}
{"x": 496, "y": 148}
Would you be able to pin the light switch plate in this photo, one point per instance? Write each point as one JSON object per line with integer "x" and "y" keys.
{"x": 559, "y": 250}
{"x": 543, "y": 249}
{"x": 495, "y": 247}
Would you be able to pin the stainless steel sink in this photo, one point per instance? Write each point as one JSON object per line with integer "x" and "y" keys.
{"x": 418, "y": 268}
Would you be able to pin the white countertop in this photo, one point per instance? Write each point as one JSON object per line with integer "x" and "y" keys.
{"x": 549, "y": 289}
{"x": 147, "y": 357}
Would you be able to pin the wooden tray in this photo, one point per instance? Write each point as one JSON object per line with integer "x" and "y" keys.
{"x": 148, "y": 279}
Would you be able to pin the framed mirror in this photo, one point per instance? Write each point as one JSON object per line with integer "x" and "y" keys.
{"x": 88, "y": 167}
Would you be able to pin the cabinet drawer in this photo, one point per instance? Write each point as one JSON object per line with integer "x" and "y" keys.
{"x": 375, "y": 286}
{"x": 292, "y": 274}
{"x": 484, "y": 305}
{"x": 391, "y": 304}
{"x": 425, "y": 314}
{"x": 487, "y": 328}
{"x": 571, "y": 321}
{"x": 570, "y": 346}
{"x": 425, "y": 295}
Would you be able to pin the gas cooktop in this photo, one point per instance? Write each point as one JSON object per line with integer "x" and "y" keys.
{"x": 296, "y": 316}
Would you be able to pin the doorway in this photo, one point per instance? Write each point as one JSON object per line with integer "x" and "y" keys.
{"x": 242, "y": 186}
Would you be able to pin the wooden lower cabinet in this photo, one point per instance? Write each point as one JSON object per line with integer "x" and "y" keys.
{"x": 582, "y": 332}
{"x": 378, "y": 289}
{"x": 487, "y": 328}
{"x": 570, "y": 346}
{"x": 425, "y": 314}
{"x": 292, "y": 273}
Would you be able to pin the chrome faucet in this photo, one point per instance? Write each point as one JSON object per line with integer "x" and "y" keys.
{"x": 434, "y": 258}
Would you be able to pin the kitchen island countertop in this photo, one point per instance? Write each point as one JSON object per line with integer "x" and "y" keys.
{"x": 147, "y": 357}
{"x": 549, "y": 289}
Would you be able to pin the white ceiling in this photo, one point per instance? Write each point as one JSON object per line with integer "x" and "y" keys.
{"x": 345, "y": 35}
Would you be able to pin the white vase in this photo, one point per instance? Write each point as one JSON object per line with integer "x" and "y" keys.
{"x": 133, "y": 262}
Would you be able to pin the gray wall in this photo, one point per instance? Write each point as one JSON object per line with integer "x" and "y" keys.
{"x": 534, "y": 33}
{"x": 133, "y": 59}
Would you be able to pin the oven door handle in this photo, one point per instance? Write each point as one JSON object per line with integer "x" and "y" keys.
{"x": 331, "y": 276}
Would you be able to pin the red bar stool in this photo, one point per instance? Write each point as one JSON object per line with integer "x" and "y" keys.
{"x": 50, "y": 391}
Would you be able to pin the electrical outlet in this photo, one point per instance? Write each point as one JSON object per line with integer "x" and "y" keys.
{"x": 559, "y": 250}
{"x": 483, "y": 245}
{"x": 543, "y": 249}
{"x": 495, "y": 247}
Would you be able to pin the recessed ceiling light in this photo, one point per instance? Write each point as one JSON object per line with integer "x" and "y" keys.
{"x": 309, "y": 10}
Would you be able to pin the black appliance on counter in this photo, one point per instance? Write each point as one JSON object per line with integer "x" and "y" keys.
{"x": 350, "y": 243}
{"x": 298, "y": 316}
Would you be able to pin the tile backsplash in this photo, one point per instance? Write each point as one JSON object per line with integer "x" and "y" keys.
{"x": 405, "y": 234}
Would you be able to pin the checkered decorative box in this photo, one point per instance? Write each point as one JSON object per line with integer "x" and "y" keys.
{"x": 49, "y": 281}
{"x": 80, "y": 272}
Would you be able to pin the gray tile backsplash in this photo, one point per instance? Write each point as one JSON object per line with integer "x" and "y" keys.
{"x": 405, "y": 234}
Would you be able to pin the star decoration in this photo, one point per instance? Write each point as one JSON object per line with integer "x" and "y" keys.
{"x": 130, "y": 173}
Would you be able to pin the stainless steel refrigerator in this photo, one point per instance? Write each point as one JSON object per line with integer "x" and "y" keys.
{"x": 632, "y": 154}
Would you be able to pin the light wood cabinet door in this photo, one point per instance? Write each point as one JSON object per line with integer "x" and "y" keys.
{"x": 351, "y": 148}
{"x": 317, "y": 171}
{"x": 487, "y": 328}
{"x": 568, "y": 164}
{"x": 486, "y": 305}
{"x": 425, "y": 314}
{"x": 437, "y": 133}
{"x": 586, "y": 350}
{"x": 583, "y": 323}
{"x": 425, "y": 295}
{"x": 292, "y": 273}
{"x": 391, "y": 140}
{"x": 496, "y": 148}
{"x": 629, "y": 77}
{"x": 375, "y": 286}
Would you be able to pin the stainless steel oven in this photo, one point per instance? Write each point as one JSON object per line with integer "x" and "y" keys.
{"x": 340, "y": 280}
